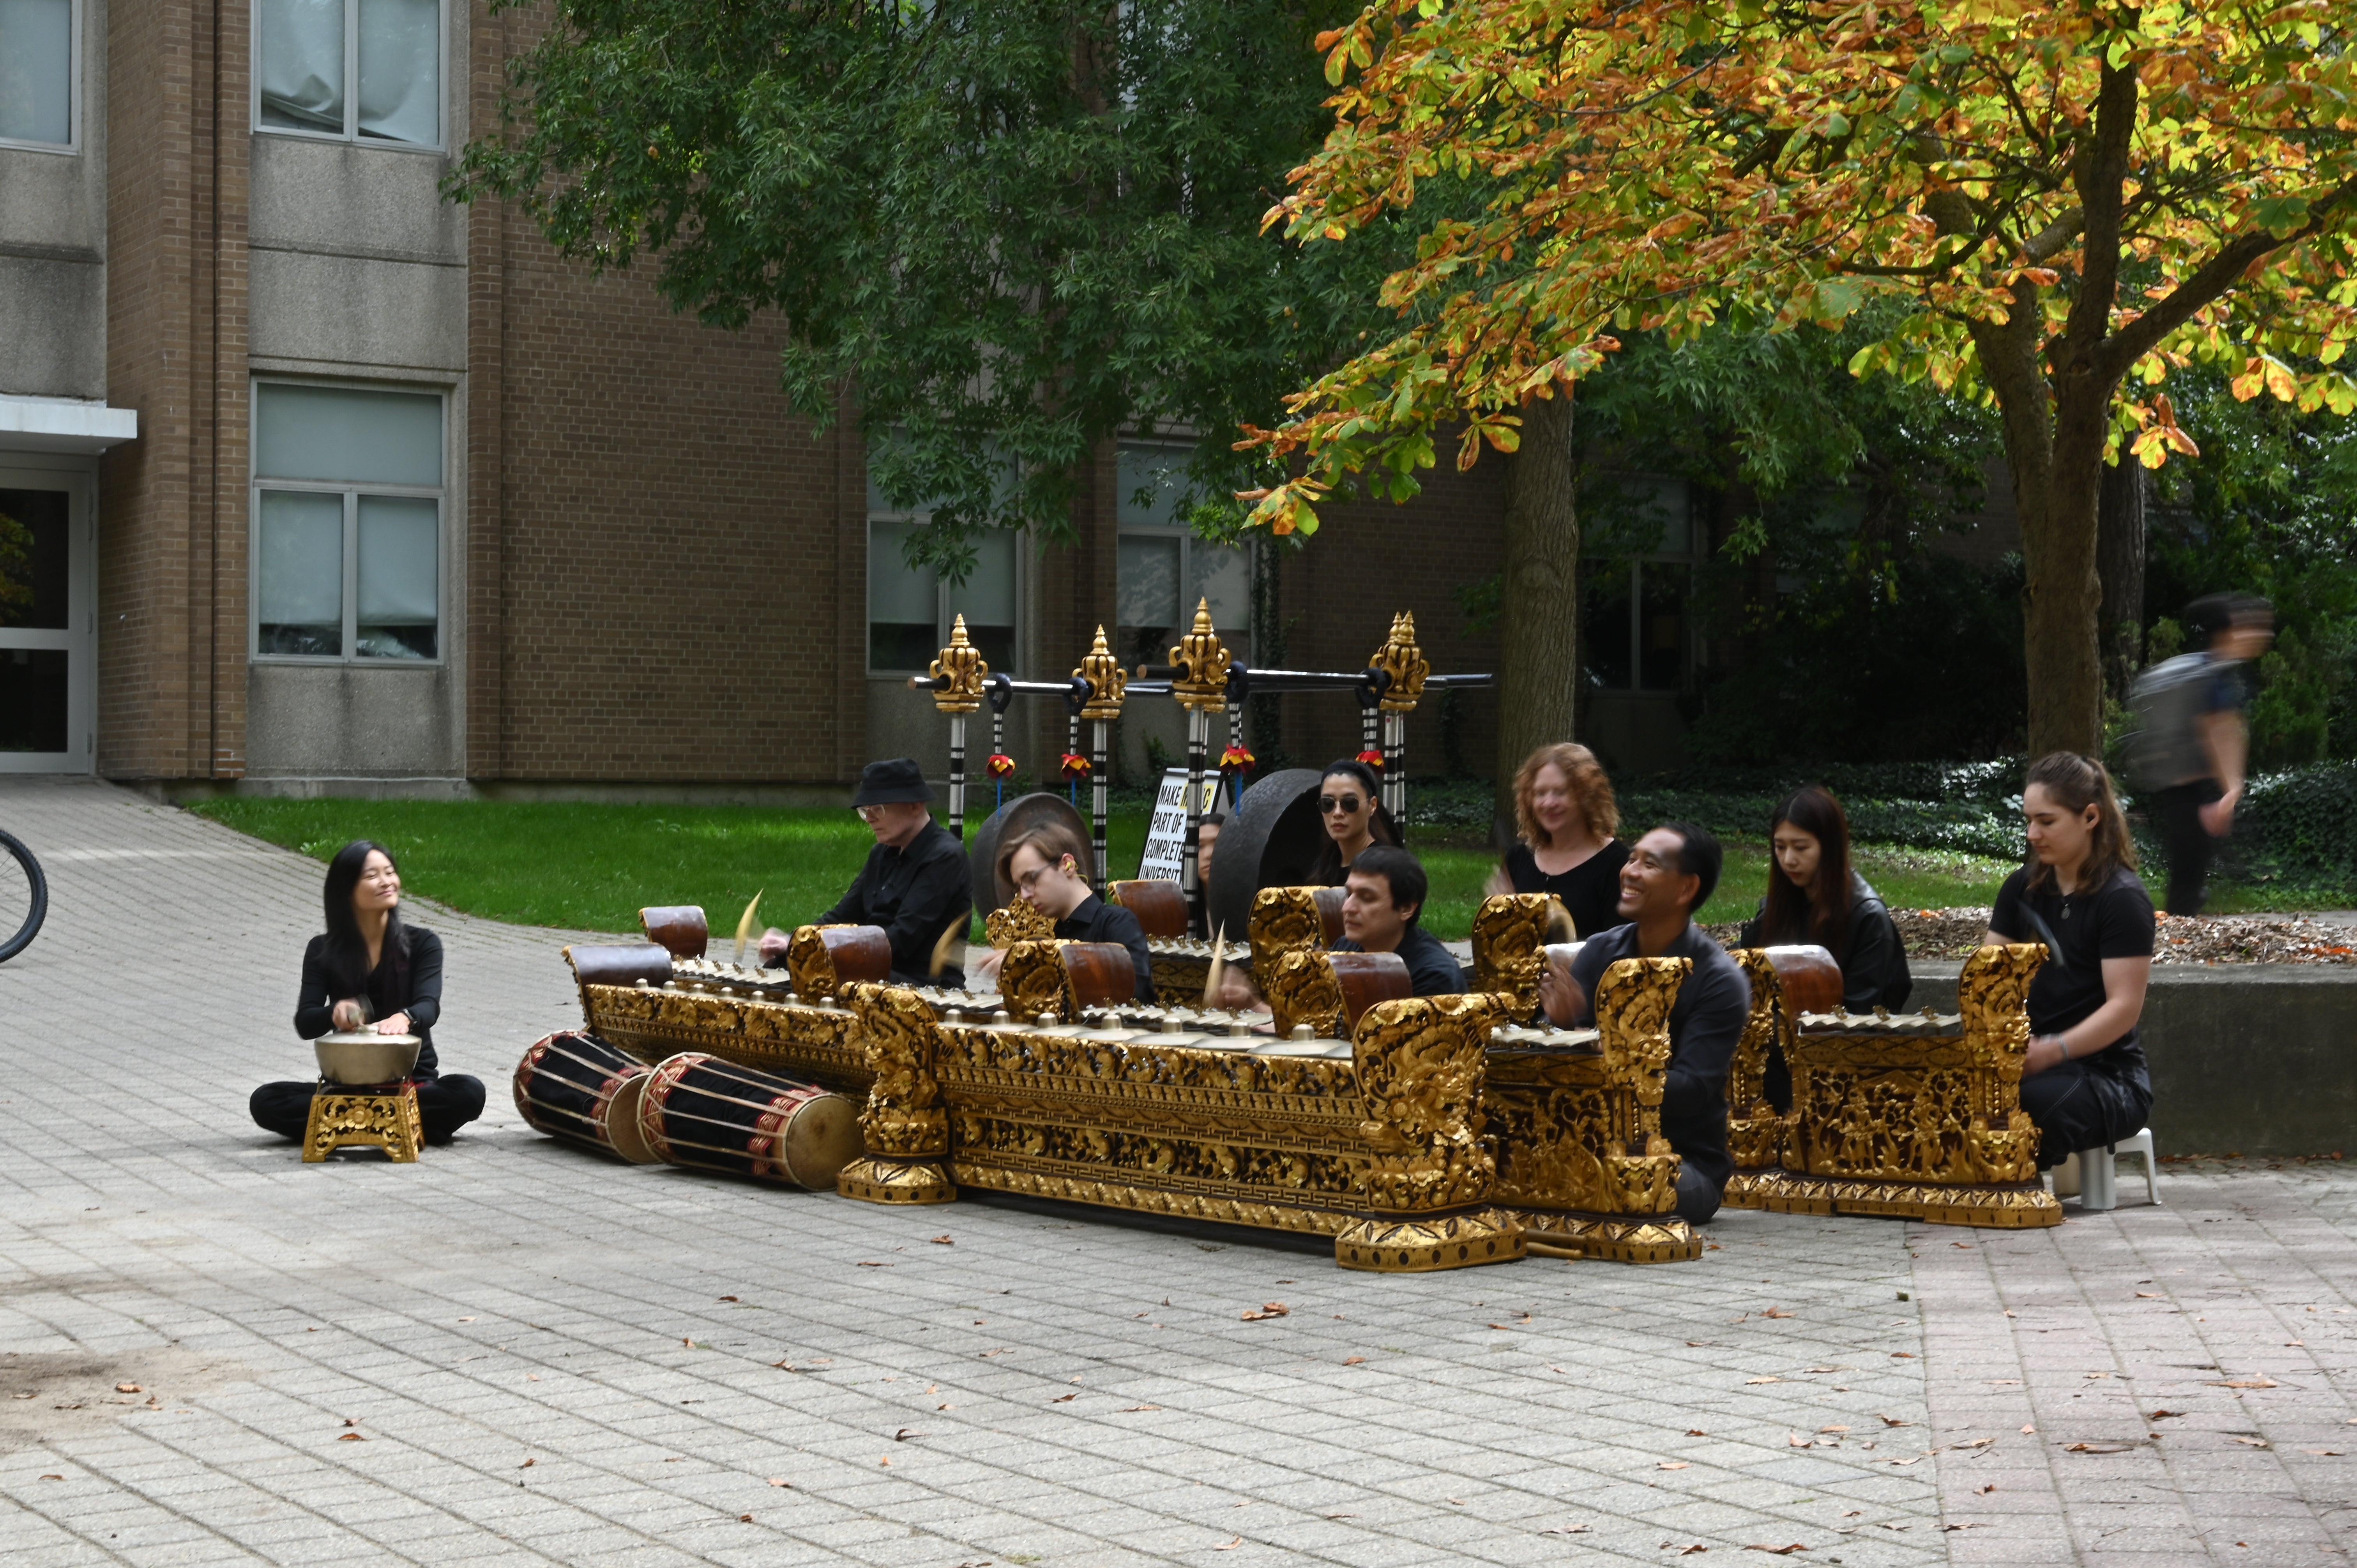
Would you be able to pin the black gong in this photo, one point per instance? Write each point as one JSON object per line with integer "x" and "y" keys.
{"x": 1271, "y": 840}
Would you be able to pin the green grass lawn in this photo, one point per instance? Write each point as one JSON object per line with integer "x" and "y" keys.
{"x": 593, "y": 867}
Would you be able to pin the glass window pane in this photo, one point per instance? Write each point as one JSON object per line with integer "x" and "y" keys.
{"x": 341, "y": 435}
{"x": 1663, "y": 650}
{"x": 1160, "y": 472}
{"x": 32, "y": 699}
{"x": 401, "y": 70}
{"x": 1148, "y": 593}
{"x": 987, "y": 598}
{"x": 35, "y": 542}
{"x": 400, "y": 586}
{"x": 1604, "y": 628}
{"x": 300, "y": 561}
{"x": 1223, "y": 575}
{"x": 36, "y": 71}
{"x": 302, "y": 64}
{"x": 903, "y": 603}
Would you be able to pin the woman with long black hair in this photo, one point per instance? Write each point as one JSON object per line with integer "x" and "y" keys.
{"x": 1351, "y": 808}
{"x": 372, "y": 970}
{"x": 1813, "y": 896}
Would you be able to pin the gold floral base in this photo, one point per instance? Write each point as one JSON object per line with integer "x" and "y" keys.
{"x": 874, "y": 1180}
{"x": 1420, "y": 1245}
{"x": 2008, "y": 1207}
{"x": 1616, "y": 1237}
{"x": 382, "y": 1119}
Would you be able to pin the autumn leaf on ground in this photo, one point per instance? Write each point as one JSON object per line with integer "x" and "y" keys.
{"x": 1230, "y": 1546}
{"x": 2250, "y": 1442}
{"x": 1893, "y": 1421}
{"x": 1779, "y": 1551}
{"x": 780, "y": 1481}
{"x": 1063, "y": 1399}
{"x": 1676, "y": 1465}
{"x": 1133, "y": 1409}
{"x": 352, "y": 1437}
{"x": 2246, "y": 1383}
{"x": 1268, "y": 1310}
{"x": 1775, "y": 1312}
{"x": 868, "y": 1265}
{"x": 1567, "y": 1530}
{"x": 1976, "y": 1443}
{"x": 1353, "y": 1360}
{"x": 527, "y": 1464}
{"x": 905, "y": 1434}
{"x": 943, "y": 1241}
{"x": 728, "y": 1298}
{"x": 129, "y": 1389}
{"x": 2102, "y": 1447}
{"x": 1763, "y": 1379}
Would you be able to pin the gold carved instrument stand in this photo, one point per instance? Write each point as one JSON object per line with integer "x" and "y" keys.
{"x": 382, "y": 1116}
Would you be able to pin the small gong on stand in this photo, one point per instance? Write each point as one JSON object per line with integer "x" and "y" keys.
{"x": 364, "y": 1099}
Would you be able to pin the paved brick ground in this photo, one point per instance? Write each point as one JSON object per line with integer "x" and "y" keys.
{"x": 513, "y": 1352}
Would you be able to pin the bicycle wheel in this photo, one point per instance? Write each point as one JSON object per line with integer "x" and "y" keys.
{"x": 24, "y": 898}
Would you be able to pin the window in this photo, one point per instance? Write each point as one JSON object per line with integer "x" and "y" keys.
{"x": 308, "y": 52}
{"x": 347, "y": 523}
{"x": 37, "y": 66}
{"x": 1637, "y": 622}
{"x": 1165, "y": 570}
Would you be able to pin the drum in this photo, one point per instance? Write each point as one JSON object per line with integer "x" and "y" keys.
{"x": 822, "y": 960}
{"x": 703, "y": 1113}
{"x": 1160, "y": 906}
{"x": 576, "y": 1087}
{"x": 678, "y": 927}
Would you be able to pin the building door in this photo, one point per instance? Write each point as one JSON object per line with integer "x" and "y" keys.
{"x": 49, "y": 676}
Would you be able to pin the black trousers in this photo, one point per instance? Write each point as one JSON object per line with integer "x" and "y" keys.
{"x": 444, "y": 1105}
{"x": 2077, "y": 1105}
{"x": 2184, "y": 842}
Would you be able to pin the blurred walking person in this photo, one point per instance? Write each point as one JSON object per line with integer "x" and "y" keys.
{"x": 2186, "y": 755}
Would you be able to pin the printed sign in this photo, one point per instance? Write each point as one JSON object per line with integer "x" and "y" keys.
{"x": 1166, "y": 840}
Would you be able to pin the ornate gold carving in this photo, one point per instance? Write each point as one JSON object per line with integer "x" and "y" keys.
{"x": 1301, "y": 989}
{"x": 874, "y": 1180}
{"x": 1400, "y": 658}
{"x": 1613, "y": 1240}
{"x": 1108, "y": 681}
{"x": 1285, "y": 919}
{"x": 1420, "y": 1067}
{"x": 1033, "y": 980}
{"x": 1510, "y": 945}
{"x": 806, "y": 1040}
{"x": 1998, "y": 1208}
{"x": 960, "y": 670}
{"x": 1203, "y": 662}
{"x": 387, "y": 1121}
{"x": 1020, "y": 922}
{"x": 809, "y": 963}
{"x": 904, "y": 1115}
{"x": 1755, "y": 1133}
{"x": 1385, "y": 1245}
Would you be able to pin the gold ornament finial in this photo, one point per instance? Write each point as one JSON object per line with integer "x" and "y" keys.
{"x": 1203, "y": 660}
{"x": 1404, "y": 662}
{"x": 1108, "y": 681}
{"x": 960, "y": 670}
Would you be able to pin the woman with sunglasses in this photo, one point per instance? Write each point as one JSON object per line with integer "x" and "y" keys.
{"x": 1353, "y": 817}
{"x": 1565, "y": 816}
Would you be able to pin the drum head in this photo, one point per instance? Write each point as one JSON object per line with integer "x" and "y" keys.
{"x": 821, "y": 1138}
{"x": 1017, "y": 814}
{"x": 1272, "y": 840}
{"x": 622, "y": 1130}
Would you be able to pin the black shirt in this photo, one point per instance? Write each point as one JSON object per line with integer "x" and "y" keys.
{"x": 1094, "y": 920}
{"x": 1705, "y": 1024}
{"x": 1590, "y": 891}
{"x": 915, "y": 894}
{"x": 1874, "y": 969}
{"x": 1430, "y": 970}
{"x": 2115, "y": 921}
{"x": 410, "y": 983}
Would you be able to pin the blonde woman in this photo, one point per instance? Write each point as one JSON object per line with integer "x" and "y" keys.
{"x": 1566, "y": 817}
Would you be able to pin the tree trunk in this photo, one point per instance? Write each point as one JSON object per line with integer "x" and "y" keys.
{"x": 2062, "y": 599}
{"x": 1538, "y": 667}
{"x": 2119, "y": 562}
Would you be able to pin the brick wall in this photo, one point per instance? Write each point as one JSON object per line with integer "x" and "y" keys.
{"x": 172, "y": 535}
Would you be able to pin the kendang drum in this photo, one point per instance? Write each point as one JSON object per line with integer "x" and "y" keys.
{"x": 575, "y": 1087}
{"x": 703, "y": 1113}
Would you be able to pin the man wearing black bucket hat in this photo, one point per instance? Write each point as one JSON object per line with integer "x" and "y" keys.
{"x": 915, "y": 884}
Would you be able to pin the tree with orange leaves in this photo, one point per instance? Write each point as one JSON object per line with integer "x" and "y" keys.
{"x": 2072, "y": 200}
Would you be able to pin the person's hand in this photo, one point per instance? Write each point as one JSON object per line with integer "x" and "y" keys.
{"x": 2217, "y": 816}
{"x": 1558, "y": 996}
{"x": 345, "y": 1016}
{"x": 774, "y": 943}
{"x": 396, "y": 1025}
{"x": 1237, "y": 992}
{"x": 985, "y": 969}
{"x": 2045, "y": 1052}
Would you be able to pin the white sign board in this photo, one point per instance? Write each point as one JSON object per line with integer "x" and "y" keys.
{"x": 1166, "y": 839}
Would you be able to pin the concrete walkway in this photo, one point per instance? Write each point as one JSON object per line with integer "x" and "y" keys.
{"x": 513, "y": 1352}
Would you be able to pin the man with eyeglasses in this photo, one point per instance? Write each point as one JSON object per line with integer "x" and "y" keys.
{"x": 1668, "y": 874}
{"x": 915, "y": 884}
{"x": 1043, "y": 865}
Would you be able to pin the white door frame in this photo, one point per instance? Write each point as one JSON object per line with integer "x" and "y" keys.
{"x": 78, "y": 477}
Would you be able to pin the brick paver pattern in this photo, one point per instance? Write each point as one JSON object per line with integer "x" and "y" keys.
{"x": 517, "y": 1352}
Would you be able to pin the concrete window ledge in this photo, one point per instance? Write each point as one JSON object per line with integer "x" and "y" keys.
{"x": 2254, "y": 1058}
{"x": 63, "y": 425}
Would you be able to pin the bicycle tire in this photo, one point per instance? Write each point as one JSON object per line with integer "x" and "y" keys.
{"x": 24, "y": 937}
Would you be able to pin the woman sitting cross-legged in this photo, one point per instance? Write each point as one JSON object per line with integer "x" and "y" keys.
{"x": 2084, "y": 1081}
{"x": 372, "y": 970}
{"x": 1813, "y": 896}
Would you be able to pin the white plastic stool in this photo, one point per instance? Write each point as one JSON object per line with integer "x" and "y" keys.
{"x": 2092, "y": 1173}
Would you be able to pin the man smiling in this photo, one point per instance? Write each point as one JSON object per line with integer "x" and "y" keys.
{"x": 1668, "y": 874}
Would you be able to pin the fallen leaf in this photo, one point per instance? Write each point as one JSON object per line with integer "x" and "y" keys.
{"x": 728, "y": 1298}
{"x": 527, "y": 1464}
{"x": 2096, "y": 1374}
{"x": 1132, "y": 1409}
{"x": 1268, "y": 1310}
{"x": 1893, "y": 1421}
{"x": 1676, "y": 1465}
{"x": 1230, "y": 1546}
{"x": 744, "y": 1518}
{"x": 1903, "y": 1355}
{"x": 1775, "y": 1312}
{"x": 943, "y": 1241}
{"x": 780, "y": 1481}
{"x": 1990, "y": 1488}
{"x": 2251, "y": 1442}
{"x": 1353, "y": 1360}
{"x": 904, "y": 1435}
{"x": 2147, "y": 1295}
{"x": 789, "y": 1366}
{"x": 2327, "y": 1453}
{"x": 1063, "y": 1399}
{"x": 1555, "y": 1529}
{"x": 129, "y": 1389}
{"x": 1505, "y": 1326}
{"x": 2246, "y": 1383}
{"x": 886, "y": 1463}
{"x": 2163, "y": 1414}
{"x": 1779, "y": 1551}
{"x": 1967, "y": 1246}
{"x": 1976, "y": 1443}
{"x": 53, "y": 1478}
{"x": 1821, "y": 1369}
{"x": 1917, "y": 1460}
{"x": 1697, "y": 1432}
{"x": 1690, "y": 1551}
{"x": 1795, "y": 1440}
{"x": 1458, "y": 1501}
{"x": 1974, "y": 1525}
{"x": 462, "y": 1320}
{"x": 2028, "y": 1427}
{"x": 868, "y": 1265}
{"x": 1763, "y": 1379}
{"x": 2102, "y": 1447}
{"x": 352, "y": 1437}
{"x": 1832, "y": 1429}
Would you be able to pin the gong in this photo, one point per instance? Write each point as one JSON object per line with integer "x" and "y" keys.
{"x": 1271, "y": 840}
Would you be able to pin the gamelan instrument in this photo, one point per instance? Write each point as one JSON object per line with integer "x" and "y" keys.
{"x": 575, "y": 1087}
{"x": 700, "y": 1112}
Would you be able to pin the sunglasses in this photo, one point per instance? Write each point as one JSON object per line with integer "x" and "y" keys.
{"x": 1329, "y": 804}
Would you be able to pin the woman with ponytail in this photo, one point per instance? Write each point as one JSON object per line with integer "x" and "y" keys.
{"x": 2084, "y": 1081}
{"x": 1813, "y": 896}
